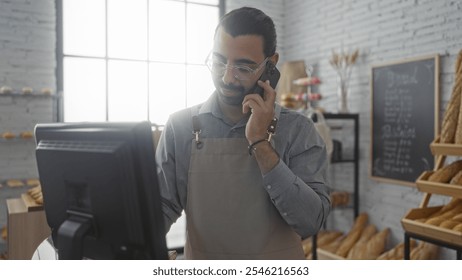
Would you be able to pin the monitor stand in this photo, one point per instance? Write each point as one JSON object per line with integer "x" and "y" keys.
{"x": 71, "y": 234}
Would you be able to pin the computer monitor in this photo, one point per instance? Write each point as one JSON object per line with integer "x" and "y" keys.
{"x": 100, "y": 190}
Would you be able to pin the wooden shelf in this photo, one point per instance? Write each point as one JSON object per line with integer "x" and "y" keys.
{"x": 426, "y": 186}
{"x": 435, "y": 234}
{"x": 438, "y": 148}
{"x": 430, "y": 231}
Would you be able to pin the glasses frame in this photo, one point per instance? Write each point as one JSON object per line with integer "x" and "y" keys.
{"x": 209, "y": 62}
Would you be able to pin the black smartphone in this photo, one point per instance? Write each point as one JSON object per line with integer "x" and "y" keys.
{"x": 272, "y": 74}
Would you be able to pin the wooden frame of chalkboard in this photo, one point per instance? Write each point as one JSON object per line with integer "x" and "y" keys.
{"x": 404, "y": 118}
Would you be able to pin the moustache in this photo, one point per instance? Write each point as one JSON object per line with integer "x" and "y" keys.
{"x": 239, "y": 89}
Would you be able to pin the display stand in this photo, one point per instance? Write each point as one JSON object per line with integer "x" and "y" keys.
{"x": 354, "y": 161}
{"x": 430, "y": 233}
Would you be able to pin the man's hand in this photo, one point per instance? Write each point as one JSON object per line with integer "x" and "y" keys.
{"x": 262, "y": 110}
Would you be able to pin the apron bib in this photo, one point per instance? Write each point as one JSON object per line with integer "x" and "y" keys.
{"x": 229, "y": 214}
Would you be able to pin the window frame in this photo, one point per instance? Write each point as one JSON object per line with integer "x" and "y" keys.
{"x": 60, "y": 55}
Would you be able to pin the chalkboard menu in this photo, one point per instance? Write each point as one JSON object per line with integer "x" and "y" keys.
{"x": 405, "y": 103}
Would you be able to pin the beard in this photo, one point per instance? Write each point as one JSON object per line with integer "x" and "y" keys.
{"x": 231, "y": 94}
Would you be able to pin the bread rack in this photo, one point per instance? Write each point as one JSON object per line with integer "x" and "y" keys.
{"x": 430, "y": 233}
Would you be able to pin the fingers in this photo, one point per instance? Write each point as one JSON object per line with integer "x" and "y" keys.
{"x": 249, "y": 104}
{"x": 269, "y": 92}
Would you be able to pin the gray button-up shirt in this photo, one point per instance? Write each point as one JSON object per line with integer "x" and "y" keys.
{"x": 297, "y": 185}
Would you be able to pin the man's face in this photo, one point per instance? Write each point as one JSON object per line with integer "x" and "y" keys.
{"x": 244, "y": 50}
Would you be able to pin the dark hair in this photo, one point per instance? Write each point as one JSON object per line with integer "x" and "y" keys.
{"x": 250, "y": 21}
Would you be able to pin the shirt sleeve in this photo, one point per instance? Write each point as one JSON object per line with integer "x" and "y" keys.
{"x": 298, "y": 185}
{"x": 167, "y": 177}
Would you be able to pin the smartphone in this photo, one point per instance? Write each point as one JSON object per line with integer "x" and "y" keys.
{"x": 272, "y": 74}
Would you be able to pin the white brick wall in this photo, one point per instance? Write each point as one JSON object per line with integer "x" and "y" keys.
{"x": 27, "y": 59}
{"x": 383, "y": 31}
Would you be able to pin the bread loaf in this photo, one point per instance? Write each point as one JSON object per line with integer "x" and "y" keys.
{"x": 355, "y": 251}
{"x": 458, "y": 228}
{"x": 451, "y": 205}
{"x": 457, "y": 218}
{"x": 446, "y": 212}
{"x": 436, "y": 221}
{"x": 424, "y": 251}
{"x": 348, "y": 243}
{"x": 26, "y": 134}
{"x": 328, "y": 238}
{"x": 451, "y": 115}
{"x": 352, "y": 236}
{"x": 14, "y": 183}
{"x": 449, "y": 224}
{"x": 457, "y": 179}
{"x": 8, "y": 135}
{"x": 458, "y": 86}
{"x": 445, "y": 174}
{"x": 375, "y": 245}
{"x": 397, "y": 253}
{"x": 334, "y": 245}
{"x": 32, "y": 182}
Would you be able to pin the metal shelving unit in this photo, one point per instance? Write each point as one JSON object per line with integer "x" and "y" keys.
{"x": 355, "y": 161}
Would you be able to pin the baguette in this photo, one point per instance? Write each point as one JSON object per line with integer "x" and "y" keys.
{"x": 458, "y": 228}
{"x": 457, "y": 179}
{"x": 376, "y": 245}
{"x": 458, "y": 86}
{"x": 449, "y": 224}
{"x": 453, "y": 203}
{"x": 397, "y": 253}
{"x": 451, "y": 115}
{"x": 361, "y": 244}
{"x": 353, "y": 236}
{"x": 445, "y": 174}
{"x": 328, "y": 238}
{"x": 424, "y": 251}
{"x": 457, "y": 218}
{"x": 333, "y": 246}
{"x": 435, "y": 221}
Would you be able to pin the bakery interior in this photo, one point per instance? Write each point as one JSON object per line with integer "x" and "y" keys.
{"x": 382, "y": 78}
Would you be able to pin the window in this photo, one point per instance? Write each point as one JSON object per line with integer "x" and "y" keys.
{"x": 132, "y": 60}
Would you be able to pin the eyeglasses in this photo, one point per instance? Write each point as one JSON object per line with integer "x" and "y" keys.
{"x": 240, "y": 72}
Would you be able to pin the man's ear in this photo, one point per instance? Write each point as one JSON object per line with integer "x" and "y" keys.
{"x": 274, "y": 58}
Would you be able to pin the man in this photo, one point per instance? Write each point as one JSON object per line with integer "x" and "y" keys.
{"x": 246, "y": 195}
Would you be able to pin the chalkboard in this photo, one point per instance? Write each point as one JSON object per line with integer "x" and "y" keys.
{"x": 405, "y": 103}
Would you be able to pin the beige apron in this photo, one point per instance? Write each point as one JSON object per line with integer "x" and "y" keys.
{"x": 229, "y": 214}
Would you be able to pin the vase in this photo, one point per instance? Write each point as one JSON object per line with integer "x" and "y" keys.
{"x": 342, "y": 91}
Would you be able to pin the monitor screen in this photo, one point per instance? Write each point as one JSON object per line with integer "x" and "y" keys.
{"x": 100, "y": 190}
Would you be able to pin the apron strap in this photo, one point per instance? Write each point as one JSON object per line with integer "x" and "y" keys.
{"x": 196, "y": 126}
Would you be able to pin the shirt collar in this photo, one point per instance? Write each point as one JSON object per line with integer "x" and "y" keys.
{"x": 211, "y": 107}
